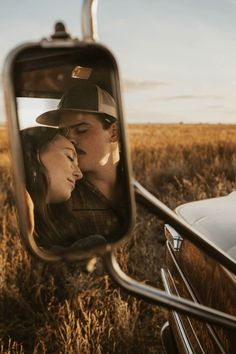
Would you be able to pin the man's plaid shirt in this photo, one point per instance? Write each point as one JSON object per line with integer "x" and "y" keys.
{"x": 95, "y": 214}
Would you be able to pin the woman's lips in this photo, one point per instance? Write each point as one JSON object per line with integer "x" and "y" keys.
{"x": 72, "y": 182}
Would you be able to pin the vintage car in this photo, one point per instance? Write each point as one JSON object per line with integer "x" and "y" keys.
{"x": 192, "y": 274}
{"x": 200, "y": 235}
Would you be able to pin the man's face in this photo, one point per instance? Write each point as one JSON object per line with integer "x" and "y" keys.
{"x": 92, "y": 141}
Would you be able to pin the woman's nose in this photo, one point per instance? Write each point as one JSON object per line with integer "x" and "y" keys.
{"x": 77, "y": 173}
{"x": 73, "y": 141}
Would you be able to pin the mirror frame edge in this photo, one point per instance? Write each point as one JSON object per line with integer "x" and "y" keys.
{"x": 17, "y": 154}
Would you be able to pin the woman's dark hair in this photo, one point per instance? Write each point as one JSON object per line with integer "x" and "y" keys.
{"x": 34, "y": 140}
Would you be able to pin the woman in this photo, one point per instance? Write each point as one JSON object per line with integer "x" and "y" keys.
{"x": 51, "y": 169}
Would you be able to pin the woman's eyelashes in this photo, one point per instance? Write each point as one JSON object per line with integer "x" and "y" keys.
{"x": 71, "y": 158}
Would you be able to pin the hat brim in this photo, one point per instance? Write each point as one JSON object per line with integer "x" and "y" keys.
{"x": 52, "y": 118}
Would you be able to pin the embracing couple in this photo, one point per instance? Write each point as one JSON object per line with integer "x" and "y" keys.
{"x": 73, "y": 169}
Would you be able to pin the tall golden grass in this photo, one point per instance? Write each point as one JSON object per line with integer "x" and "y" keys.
{"x": 60, "y": 309}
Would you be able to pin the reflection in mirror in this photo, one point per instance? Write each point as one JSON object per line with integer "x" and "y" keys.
{"x": 70, "y": 117}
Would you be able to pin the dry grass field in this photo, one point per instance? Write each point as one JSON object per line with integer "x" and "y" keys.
{"x": 59, "y": 308}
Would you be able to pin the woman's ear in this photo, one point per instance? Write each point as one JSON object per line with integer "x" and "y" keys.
{"x": 113, "y": 133}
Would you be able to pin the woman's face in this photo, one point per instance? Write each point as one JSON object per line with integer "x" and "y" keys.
{"x": 60, "y": 160}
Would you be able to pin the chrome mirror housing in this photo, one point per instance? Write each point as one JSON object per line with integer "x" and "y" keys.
{"x": 76, "y": 82}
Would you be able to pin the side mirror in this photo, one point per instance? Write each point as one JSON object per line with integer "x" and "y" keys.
{"x": 46, "y": 81}
{"x": 68, "y": 142}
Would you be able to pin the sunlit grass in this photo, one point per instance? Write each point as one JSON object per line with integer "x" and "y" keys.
{"x": 58, "y": 308}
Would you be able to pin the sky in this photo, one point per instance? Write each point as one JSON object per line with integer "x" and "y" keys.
{"x": 176, "y": 58}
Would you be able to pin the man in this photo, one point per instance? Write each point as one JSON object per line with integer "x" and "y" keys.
{"x": 87, "y": 115}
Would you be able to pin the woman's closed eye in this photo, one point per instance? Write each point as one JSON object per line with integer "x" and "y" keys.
{"x": 70, "y": 158}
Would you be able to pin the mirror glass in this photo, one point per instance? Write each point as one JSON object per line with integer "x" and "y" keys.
{"x": 70, "y": 118}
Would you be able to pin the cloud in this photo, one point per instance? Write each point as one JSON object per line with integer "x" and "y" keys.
{"x": 189, "y": 97}
{"x": 136, "y": 85}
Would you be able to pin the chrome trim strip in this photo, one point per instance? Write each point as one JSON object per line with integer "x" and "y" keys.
{"x": 176, "y": 316}
{"x": 168, "y": 340}
{"x": 209, "y": 327}
{"x": 173, "y": 237}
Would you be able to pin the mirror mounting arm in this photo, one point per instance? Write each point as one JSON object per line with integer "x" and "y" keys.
{"x": 89, "y": 20}
{"x": 161, "y": 297}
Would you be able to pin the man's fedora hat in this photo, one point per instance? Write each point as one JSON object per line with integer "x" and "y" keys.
{"x": 88, "y": 98}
